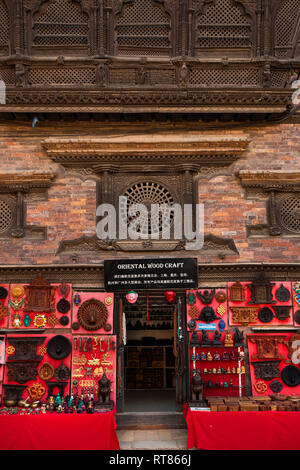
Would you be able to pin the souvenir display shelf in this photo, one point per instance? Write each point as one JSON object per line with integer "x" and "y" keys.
{"x": 224, "y": 377}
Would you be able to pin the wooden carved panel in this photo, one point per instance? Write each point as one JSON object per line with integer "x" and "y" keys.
{"x": 267, "y": 346}
{"x": 39, "y": 296}
{"x": 244, "y": 315}
{"x": 266, "y": 370}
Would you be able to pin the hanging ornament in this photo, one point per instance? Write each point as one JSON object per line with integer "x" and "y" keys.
{"x": 170, "y": 296}
{"x": 132, "y": 297}
{"x": 27, "y": 320}
{"x": 16, "y": 321}
{"x": 77, "y": 299}
{"x": 191, "y": 297}
{"x": 222, "y": 325}
{"x": 40, "y": 321}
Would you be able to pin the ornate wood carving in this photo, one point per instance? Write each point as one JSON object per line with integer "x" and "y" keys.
{"x": 244, "y": 315}
{"x": 267, "y": 346}
{"x": 25, "y": 348}
{"x": 39, "y": 296}
{"x": 266, "y": 370}
{"x": 261, "y": 291}
{"x": 22, "y": 372}
{"x": 237, "y": 292}
{"x": 293, "y": 347}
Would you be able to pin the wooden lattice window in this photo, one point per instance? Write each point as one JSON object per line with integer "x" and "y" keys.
{"x": 61, "y": 24}
{"x": 222, "y": 25}
{"x": 148, "y": 193}
{"x": 288, "y": 212}
{"x": 143, "y": 29}
{"x": 4, "y": 29}
{"x": 286, "y": 21}
{"x": 8, "y": 214}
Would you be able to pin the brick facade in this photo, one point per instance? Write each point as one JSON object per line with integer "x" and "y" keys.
{"x": 68, "y": 211}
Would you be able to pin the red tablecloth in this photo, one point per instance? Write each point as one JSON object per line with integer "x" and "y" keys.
{"x": 243, "y": 430}
{"x": 59, "y": 432}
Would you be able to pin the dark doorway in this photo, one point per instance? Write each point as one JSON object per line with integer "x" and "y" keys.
{"x": 150, "y": 377}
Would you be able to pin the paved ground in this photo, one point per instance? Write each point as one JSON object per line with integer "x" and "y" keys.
{"x": 153, "y": 439}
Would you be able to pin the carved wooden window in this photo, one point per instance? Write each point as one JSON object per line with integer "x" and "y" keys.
{"x": 148, "y": 193}
{"x": 8, "y": 211}
{"x": 285, "y": 24}
{"x": 288, "y": 212}
{"x": 223, "y": 26}
{"x": 61, "y": 24}
{"x": 143, "y": 29}
{"x": 4, "y": 29}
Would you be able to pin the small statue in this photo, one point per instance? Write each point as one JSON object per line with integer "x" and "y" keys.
{"x": 238, "y": 338}
{"x": 206, "y": 297}
{"x": 228, "y": 340}
{"x": 217, "y": 356}
{"x": 104, "y": 392}
{"x": 225, "y": 356}
{"x": 184, "y": 75}
{"x": 101, "y": 74}
{"x": 51, "y": 404}
{"x": 209, "y": 356}
{"x": 191, "y": 297}
{"x": 197, "y": 388}
{"x": 44, "y": 408}
{"x": 205, "y": 341}
{"x": 217, "y": 339}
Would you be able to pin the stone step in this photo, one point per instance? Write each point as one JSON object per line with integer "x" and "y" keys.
{"x": 150, "y": 421}
{"x": 158, "y": 439}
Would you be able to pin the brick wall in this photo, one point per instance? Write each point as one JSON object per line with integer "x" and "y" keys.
{"x": 69, "y": 210}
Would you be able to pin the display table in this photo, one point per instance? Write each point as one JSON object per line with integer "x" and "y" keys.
{"x": 59, "y": 432}
{"x": 243, "y": 430}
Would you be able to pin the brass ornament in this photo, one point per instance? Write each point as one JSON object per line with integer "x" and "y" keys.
{"x": 221, "y": 310}
{"x": 46, "y": 371}
{"x": 4, "y": 311}
{"x": 108, "y": 300}
{"x": 260, "y": 386}
{"x": 10, "y": 350}
{"x": 42, "y": 350}
{"x": 36, "y": 391}
{"x": 17, "y": 291}
{"x": 52, "y": 320}
{"x": 194, "y": 312}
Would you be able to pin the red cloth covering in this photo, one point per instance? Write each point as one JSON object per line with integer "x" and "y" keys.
{"x": 59, "y": 432}
{"x": 243, "y": 430}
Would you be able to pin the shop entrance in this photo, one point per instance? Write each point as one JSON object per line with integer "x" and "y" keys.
{"x": 149, "y": 361}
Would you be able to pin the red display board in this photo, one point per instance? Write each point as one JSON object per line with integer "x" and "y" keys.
{"x": 256, "y": 308}
{"x": 48, "y": 384}
{"x": 93, "y": 355}
{"x": 219, "y": 308}
{"x": 105, "y": 307}
{"x": 279, "y": 356}
{"x": 4, "y": 310}
{"x": 41, "y": 320}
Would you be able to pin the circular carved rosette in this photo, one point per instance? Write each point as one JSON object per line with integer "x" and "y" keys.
{"x": 46, "y": 371}
{"x": 92, "y": 315}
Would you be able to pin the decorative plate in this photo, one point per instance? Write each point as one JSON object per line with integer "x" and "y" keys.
{"x": 40, "y": 321}
{"x": 59, "y": 347}
{"x": 46, "y": 371}
{"x": 92, "y": 314}
{"x": 297, "y": 317}
{"x": 63, "y": 306}
{"x": 282, "y": 294}
{"x": 64, "y": 320}
{"x": 3, "y": 293}
{"x": 220, "y": 296}
{"x": 265, "y": 315}
{"x": 290, "y": 376}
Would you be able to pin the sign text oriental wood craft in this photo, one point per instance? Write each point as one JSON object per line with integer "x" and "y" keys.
{"x": 156, "y": 273}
